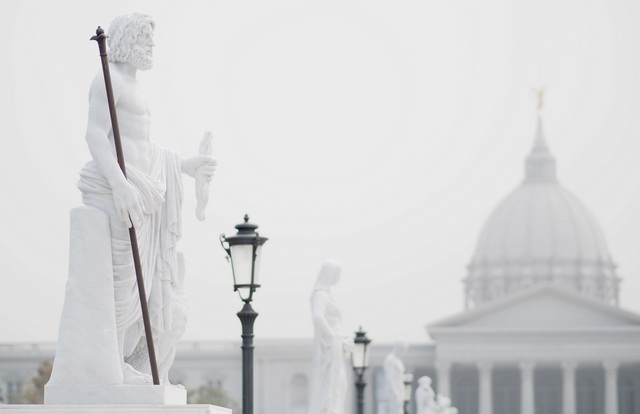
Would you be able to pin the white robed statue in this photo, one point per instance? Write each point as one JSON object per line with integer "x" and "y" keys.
{"x": 328, "y": 374}
{"x": 425, "y": 397}
{"x": 394, "y": 378}
{"x": 101, "y": 338}
{"x": 443, "y": 405}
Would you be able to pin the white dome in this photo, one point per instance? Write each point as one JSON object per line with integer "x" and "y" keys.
{"x": 541, "y": 233}
{"x": 541, "y": 222}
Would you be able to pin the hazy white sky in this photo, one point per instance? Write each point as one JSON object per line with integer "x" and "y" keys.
{"x": 380, "y": 134}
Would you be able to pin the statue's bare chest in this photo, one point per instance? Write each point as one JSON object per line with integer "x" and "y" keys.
{"x": 133, "y": 102}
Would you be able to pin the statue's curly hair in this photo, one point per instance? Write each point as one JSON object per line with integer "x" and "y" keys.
{"x": 123, "y": 33}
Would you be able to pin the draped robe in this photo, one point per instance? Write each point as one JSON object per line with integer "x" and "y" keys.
{"x": 160, "y": 193}
{"x": 394, "y": 374}
{"x": 329, "y": 378}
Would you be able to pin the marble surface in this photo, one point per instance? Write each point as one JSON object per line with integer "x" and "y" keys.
{"x": 87, "y": 351}
{"x": 114, "y": 394}
{"x": 113, "y": 409}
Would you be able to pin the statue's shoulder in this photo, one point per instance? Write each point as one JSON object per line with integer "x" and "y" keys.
{"x": 98, "y": 80}
{"x": 98, "y": 87}
{"x": 118, "y": 80}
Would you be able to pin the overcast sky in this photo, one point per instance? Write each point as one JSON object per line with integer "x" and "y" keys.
{"x": 380, "y": 134}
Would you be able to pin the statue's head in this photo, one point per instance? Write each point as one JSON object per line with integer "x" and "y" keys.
{"x": 444, "y": 401}
{"x": 399, "y": 348}
{"x": 424, "y": 381}
{"x": 131, "y": 40}
{"x": 329, "y": 275}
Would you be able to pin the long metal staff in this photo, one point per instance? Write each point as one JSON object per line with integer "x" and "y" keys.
{"x": 101, "y": 38}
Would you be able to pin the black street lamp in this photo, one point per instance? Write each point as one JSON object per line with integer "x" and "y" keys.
{"x": 408, "y": 385}
{"x": 360, "y": 362}
{"x": 244, "y": 252}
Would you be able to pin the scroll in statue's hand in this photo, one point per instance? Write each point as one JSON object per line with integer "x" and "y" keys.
{"x": 191, "y": 164}
{"x": 125, "y": 198}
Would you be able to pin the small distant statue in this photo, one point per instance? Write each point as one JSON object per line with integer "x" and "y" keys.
{"x": 394, "y": 375}
{"x": 444, "y": 405}
{"x": 425, "y": 397}
{"x": 331, "y": 347}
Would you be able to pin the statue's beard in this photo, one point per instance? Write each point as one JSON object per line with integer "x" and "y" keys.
{"x": 140, "y": 59}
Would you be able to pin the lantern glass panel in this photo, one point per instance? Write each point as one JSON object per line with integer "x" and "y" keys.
{"x": 242, "y": 258}
{"x": 359, "y": 357}
{"x": 256, "y": 271}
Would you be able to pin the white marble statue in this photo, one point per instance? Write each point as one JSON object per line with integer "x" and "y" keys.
{"x": 101, "y": 338}
{"x": 425, "y": 397}
{"x": 443, "y": 405}
{"x": 331, "y": 347}
{"x": 394, "y": 378}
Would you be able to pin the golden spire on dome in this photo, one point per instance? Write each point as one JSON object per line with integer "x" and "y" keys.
{"x": 540, "y": 164}
{"x": 540, "y": 96}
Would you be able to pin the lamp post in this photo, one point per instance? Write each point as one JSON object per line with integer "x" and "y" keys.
{"x": 244, "y": 252}
{"x": 360, "y": 362}
{"x": 408, "y": 385}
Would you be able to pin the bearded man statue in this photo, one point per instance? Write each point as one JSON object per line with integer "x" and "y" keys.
{"x": 101, "y": 337}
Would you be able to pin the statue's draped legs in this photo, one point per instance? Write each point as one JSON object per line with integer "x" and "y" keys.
{"x": 160, "y": 193}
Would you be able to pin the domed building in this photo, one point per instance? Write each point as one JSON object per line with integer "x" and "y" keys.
{"x": 542, "y": 331}
{"x": 541, "y": 234}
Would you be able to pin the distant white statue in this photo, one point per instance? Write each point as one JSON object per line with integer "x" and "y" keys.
{"x": 444, "y": 405}
{"x": 394, "y": 376}
{"x": 425, "y": 397}
{"x": 102, "y": 340}
{"x": 331, "y": 347}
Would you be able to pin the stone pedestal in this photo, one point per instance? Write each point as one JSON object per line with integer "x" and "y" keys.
{"x": 87, "y": 350}
{"x": 113, "y": 409}
{"x": 114, "y": 394}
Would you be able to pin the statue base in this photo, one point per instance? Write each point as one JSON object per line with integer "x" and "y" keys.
{"x": 112, "y": 409}
{"x": 114, "y": 394}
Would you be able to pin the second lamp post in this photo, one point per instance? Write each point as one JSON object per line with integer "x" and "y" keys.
{"x": 408, "y": 385}
{"x": 360, "y": 361}
{"x": 244, "y": 252}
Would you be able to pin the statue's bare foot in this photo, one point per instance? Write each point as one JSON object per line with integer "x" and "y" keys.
{"x": 134, "y": 377}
